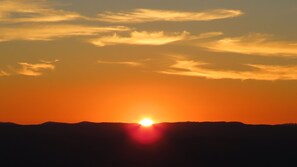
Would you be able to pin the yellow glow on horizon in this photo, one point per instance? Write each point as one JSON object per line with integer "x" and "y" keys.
{"x": 146, "y": 122}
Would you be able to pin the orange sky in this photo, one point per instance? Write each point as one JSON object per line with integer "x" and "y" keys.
{"x": 119, "y": 62}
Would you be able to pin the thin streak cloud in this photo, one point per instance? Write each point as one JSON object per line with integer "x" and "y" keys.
{"x": 50, "y": 32}
{"x": 258, "y": 44}
{"x": 258, "y": 72}
{"x": 127, "y": 63}
{"x": 49, "y": 61}
{"x": 19, "y": 11}
{"x": 140, "y": 38}
{"x": 149, "y": 38}
{"x": 152, "y": 15}
{"x": 3, "y": 73}
{"x": 29, "y": 69}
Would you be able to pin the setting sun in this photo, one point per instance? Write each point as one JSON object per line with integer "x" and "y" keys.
{"x": 146, "y": 122}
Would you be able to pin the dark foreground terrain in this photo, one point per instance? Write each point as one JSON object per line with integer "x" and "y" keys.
{"x": 164, "y": 145}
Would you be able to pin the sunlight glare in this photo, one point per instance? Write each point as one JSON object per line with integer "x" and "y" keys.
{"x": 146, "y": 122}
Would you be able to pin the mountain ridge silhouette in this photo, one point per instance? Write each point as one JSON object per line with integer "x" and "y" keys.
{"x": 180, "y": 144}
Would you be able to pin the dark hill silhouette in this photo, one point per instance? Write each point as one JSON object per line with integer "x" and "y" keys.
{"x": 185, "y": 144}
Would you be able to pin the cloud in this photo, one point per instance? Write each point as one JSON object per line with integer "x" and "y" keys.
{"x": 18, "y": 11}
{"x": 30, "y": 69}
{"x": 140, "y": 38}
{"x": 151, "y": 15}
{"x": 50, "y": 32}
{"x": 49, "y": 61}
{"x": 258, "y": 72}
{"x": 3, "y": 73}
{"x": 34, "y": 69}
{"x": 209, "y": 35}
{"x": 258, "y": 44}
{"x": 149, "y": 38}
{"x": 25, "y": 11}
{"x": 128, "y": 63}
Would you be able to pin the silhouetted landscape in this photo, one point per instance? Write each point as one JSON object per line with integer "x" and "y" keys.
{"x": 177, "y": 144}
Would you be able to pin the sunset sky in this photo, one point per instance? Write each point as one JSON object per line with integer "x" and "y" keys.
{"x": 169, "y": 60}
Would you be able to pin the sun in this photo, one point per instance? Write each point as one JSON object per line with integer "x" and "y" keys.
{"x": 146, "y": 122}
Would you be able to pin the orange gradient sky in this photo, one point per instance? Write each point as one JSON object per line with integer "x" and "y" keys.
{"x": 72, "y": 61}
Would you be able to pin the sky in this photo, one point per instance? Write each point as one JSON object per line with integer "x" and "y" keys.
{"x": 169, "y": 60}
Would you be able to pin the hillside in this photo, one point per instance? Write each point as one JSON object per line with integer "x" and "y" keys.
{"x": 129, "y": 145}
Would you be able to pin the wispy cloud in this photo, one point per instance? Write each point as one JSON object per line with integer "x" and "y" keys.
{"x": 49, "y": 61}
{"x": 127, "y": 63}
{"x": 34, "y": 69}
{"x": 50, "y": 32}
{"x": 30, "y": 69}
{"x": 208, "y": 35}
{"x": 18, "y": 11}
{"x": 3, "y": 73}
{"x": 185, "y": 67}
{"x": 149, "y": 38}
{"x": 151, "y": 15}
{"x": 25, "y": 11}
{"x": 140, "y": 38}
{"x": 258, "y": 44}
